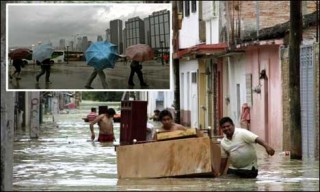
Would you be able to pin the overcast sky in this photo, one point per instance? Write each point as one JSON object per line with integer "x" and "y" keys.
{"x": 31, "y": 23}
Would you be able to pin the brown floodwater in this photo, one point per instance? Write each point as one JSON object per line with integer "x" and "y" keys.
{"x": 64, "y": 159}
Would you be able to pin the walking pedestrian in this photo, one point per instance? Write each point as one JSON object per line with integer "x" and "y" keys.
{"x": 237, "y": 144}
{"x": 45, "y": 69}
{"x": 166, "y": 58}
{"x": 92, "y": 115}
{"x": 155, "y": 116}
{"x": 17, "y": 63}
{"x": 105, "y": 122}
{"x": 136, "y": 68}
{"x": 93, "y": 75}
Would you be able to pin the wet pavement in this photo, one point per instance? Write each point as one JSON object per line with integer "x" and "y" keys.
{"x": 74, "y": 75}
{"x": 64, "y": 159}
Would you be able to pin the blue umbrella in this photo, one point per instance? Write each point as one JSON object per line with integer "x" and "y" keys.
{"x": 42, "y": 52}
{"x": 101, "y": 55}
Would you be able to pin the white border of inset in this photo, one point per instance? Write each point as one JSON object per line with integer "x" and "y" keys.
{"x": 171, "y": 83}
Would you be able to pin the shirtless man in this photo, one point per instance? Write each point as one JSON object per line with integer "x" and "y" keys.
{"x": 105, "y": 122}
{"x": 166, "y": 119}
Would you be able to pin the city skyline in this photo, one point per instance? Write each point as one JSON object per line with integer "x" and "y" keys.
{"x": 91, "y": 20}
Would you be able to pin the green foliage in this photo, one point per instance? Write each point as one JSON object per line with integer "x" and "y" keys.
{"x": 102, "y": 96}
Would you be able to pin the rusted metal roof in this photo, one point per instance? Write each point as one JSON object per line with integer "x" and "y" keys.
{"x": 201, "y": 49}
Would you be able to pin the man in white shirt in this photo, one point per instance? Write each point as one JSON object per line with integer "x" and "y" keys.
{"x": 237, "y": 144}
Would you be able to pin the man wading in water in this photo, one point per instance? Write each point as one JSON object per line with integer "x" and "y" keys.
{"x": 105, "y": 123}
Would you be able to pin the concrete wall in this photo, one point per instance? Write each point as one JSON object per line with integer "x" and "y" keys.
{"x": 188, "y": 94}
{"x": 152, "y": 96}
{"x": 212, "y": 24}
{"x": 189, "y": 33}
{"x": 235, "y": 74}
{"x": 317, "y": 96}
{"x": 266, "y": 110}
{"x": 270, "y": 13}
{"x": 168, "y": 98}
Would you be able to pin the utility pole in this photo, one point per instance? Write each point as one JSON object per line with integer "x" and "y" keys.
{"x": 295, "y": 38}
{"x": 7, "y": 115}
{"x": 67, "y": 55}
{"x": 175, "y": 28}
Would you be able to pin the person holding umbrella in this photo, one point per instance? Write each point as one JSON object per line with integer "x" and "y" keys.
{"x": 42, "y": 54}
{"x": 100, "y": 55}
{"x": 136, "y": 68}
{"x": 138, "y": 53}
{"x": 17, "y": 55}
{"x": 45, "y": 68}
{"x": 17, "y": 63}
{"x": 93, "y": 75}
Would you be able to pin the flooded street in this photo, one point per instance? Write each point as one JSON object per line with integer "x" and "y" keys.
{"x": 64, "y": 158}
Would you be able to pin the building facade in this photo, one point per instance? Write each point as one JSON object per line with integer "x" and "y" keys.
{"x": 248, "y": 70}
{"x": 116, "y": 34}
{"x": 62, "y": 44}
{"x": 135, "y": 31}
{"x": 147, "y": 35}
{"x": 159, "y": 27}
{"x": 99, "y": 38}
{"x": 108, "y": 35}
{"x": 84, "y": 43}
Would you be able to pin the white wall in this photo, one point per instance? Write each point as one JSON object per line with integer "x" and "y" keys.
{"x": 151, "y": 97}
{"x": 237, "y": 75}
{"x": 212, "y": 22}
{"x": 167, "y": 102}
{"x": 189, "y": 33}
{"x": 188, "y": 90}
{"x": 212, "y": 31}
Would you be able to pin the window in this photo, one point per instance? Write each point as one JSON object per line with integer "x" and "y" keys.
{"x": 194, "y": 77}
{"x": 187, "y": 9}
{"x": 166, "y": 28}
{"x": 193, "y": 6}
{"x": 166, "y": 17}
{"x": 161, "y": 29}
{"x": 157, "y": 29}
{"x": 161, "y": 18}
{"x": 152, "y": 30}
{"x": 156, "y": 20}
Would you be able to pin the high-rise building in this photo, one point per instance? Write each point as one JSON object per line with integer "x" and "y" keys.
{"x": 108, "y": 35}
{"x": 124, "y": 38}
{"x": 116, "y": 34}
{"x": 71, "y": 46}
{"x": 99, "y": 38}
{"x": 147, "y": 35}
{"x": 62, "y": 44}
{"x": 84, "y": 44}
{"x": 160, "y": 30}
{"x": 88, "y": 44}
{"x": 134, "y": 31}
{"x": 79, "y": 44}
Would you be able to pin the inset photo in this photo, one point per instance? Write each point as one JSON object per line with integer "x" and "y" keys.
{"x": 81, "y": 46}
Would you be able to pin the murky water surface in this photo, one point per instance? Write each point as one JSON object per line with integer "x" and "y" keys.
{"x": 64, "y": 159}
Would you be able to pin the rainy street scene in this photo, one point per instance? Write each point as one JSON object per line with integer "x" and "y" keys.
{"x": 224, "y": 98}
{"x": 100, "y": 46}
{"x": 154, "y": 73}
